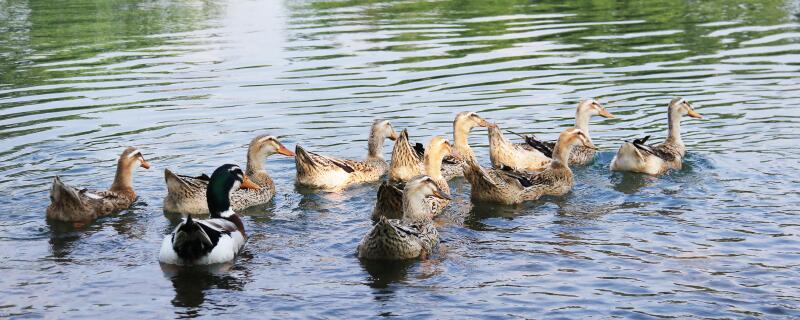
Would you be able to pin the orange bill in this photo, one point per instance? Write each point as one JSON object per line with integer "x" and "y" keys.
{"x": 286, "y": 152}
{"x": 393, "y": 137}
{"x": 441, "y": 195}
{"x": 604, "y": 113}
{"x": 694, "y": 114}
{"x": 145, "y": 164}
{"x": 248, "y": 184}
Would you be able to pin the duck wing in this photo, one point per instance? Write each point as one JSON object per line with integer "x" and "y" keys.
{"x": 659, "y": 150}
{"x": 309, "y": 161}
{"x": 545, "y": 147}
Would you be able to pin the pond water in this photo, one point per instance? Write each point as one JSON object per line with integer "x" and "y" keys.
{"x": 191, "y": 82}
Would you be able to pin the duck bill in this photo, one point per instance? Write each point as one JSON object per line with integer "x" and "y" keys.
{"x": 605, "y": 114}
{"x": 145, "y": 164}
{"x": 248, "y": 184}
{"x": 590, "y": 145}
{"x": 694, "y": 114}
{"x": 441, "y": 195}
{"x": 486, "y": 124}
{"x": 393, "y": 137}
{"x": 286, "y": 152}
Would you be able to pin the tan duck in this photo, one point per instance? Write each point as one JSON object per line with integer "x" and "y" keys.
{"x": 390, "y": 193}
{"x": 656, "y": 159}
{"x": 187, "y": 195}
{"x": 535, "y": 155}
{"x": 332, "y": 174}
{"x": 406, "y": 159}
{"x": 509, "y": 187}
{"x": 71, "y": 204}
{"x": 462, "y": 126}
{"x": 413, "y": 236}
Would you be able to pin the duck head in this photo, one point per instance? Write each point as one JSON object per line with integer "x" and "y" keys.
{"x": 130, "y": 159}
{"x": 266, "y": 145}
{"x": 467, "y": 120}
{"x": 383, "y": 129}
{"x": 223, "y": 182}
{"x": 683, "y": 107}
{"x": 592, "y": 107}
{"x": 414, "y": 194}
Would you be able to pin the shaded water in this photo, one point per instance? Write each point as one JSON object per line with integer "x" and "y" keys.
{"x": 191, "y": 82}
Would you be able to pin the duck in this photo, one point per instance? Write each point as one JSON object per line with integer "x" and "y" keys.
{"x": 187, "y": 194}
{"x": 414, "y": 235}
{"x": 534, "y": 155}
{"x": 505, "y": 186}
{"x": 217, "y": 239}
{"x": 407, "y": 159}
{"x": 389, "y": 202}
{"x": 656, "y": 159}
{"x": 462, "y": 126}
{"x": 332, "y": 174}
{"x": 72, "y": 204}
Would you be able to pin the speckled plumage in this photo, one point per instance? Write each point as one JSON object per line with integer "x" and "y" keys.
{"x": 69, "y": 203}
{"x": 511, "y": 187}
{"x": 332, "y": 174}
{"x": 503, "y": 153}
{"x": 656, "y": 159}
{"x": 413, "y": 235}
{"x": 72, "y": 204}
{"x": 187, "y": 195}
{"x": 390, "y": 193}
{"x": 393, "y": 239}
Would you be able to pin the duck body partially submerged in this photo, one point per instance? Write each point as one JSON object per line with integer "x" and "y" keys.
{"x": 71, "y": 204}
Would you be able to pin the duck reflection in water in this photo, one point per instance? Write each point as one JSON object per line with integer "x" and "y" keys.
{"x": 192, "y": 283}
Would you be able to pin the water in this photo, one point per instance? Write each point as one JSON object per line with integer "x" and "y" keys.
{"x": 191, "y": 82}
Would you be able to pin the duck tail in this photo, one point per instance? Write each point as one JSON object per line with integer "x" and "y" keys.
{"x": 405, "y": 159}
{"x": 174, "y": 182}
{"x": 389, "y": 203}
{"x": 304, "y": 162}
{"x": 191, "y": 241}
{"x": 61, "y": 193}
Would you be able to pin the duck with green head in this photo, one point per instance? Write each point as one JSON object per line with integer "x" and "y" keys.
{"x": 217, "y": 239}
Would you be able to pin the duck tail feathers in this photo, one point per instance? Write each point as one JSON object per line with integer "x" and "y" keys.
{"x": 61, "y": 193}
{"x": 191, "y": 241}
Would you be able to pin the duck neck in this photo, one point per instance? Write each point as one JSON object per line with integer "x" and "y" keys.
{"x": 255, "y": 166}
{"x": 415, "y": 208}
{"x": 674, "y": 134}
{"x": 460, "y": 136}
{"x": 123, "y": 179}
{"x": 433, "y": 164}
{"x": 375, "y": 146}
{"x": 582, "y": 121}
{"x": 219, "y": 203}
{"x": 561, "y": 154}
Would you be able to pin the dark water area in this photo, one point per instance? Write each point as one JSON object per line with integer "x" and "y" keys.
{"x": 191, "y": 82}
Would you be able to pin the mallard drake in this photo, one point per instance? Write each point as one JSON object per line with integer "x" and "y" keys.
{"x": 540, "y": 150}
{"x": 71, "y": 204}
{"x": 462, "y": 126}
{"x": 509, "y": 187}
{"x": 656, "y": 159}
{"x": 187, "y": 195}
{"x": 214, "y": 240}
{"x": 390, "y": 193}
{"x": 328, "y": 173}
{"x": 414, "y": 235}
